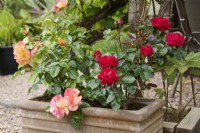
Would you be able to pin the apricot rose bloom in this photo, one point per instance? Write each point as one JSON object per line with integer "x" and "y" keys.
{"x": 60, "y": 4}
{"x": 61, "y": 42}
{"x": 73, "y": 100}
{"x": 59, "y": 106}
{"x": 21, "y": 54}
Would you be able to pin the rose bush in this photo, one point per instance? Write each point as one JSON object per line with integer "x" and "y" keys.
{"x": 109, "y": 72}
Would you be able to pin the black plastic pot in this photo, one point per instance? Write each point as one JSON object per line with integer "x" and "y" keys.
{"x": 8, "y": 64}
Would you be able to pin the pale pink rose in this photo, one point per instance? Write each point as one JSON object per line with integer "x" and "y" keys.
{"x": 60, "y": 4}
{"x": 59, "y": 106}
{"x": 71, "y": 94}
{"x": 35, "y": 47}
{"x": 21, "y": 54}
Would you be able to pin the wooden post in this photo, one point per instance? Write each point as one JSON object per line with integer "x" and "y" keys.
{"x": 137, "y": 12}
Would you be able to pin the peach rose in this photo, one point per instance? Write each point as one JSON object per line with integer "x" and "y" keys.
{"x": 59, "y": 106}
{"x": 60, "y": 4}
{"x": 21, "y": 54}
{"x": 73, "y": 99}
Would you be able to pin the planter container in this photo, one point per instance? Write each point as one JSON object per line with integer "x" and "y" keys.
{"x": 149, "y": 119}
{"x": 8, "y": 64}
{"x": 189, "y": 124}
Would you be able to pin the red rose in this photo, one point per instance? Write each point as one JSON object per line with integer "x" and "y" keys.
{"x": 97, "y": 55}
{"x": 108, "y": 61}
{"x": 146, "y": 50}
{"x": 108, "y": 76}
{"x": 174, "y": 39}
{"x": 160, "y": 23}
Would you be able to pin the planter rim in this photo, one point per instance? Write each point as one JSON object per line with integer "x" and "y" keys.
{"x": 6, "y": 47}
{"x": 130, "y": 115}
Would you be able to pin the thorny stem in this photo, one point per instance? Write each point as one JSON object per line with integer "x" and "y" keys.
{"x": 118, "y": 36}
{"x": 193, "y": 94}
{"x": 181, "y": 91}
{"x": 166, "y": 96}
{"x": 82, "y": 10}
{"x": 174, "y": 110}
{"x": 198, "y": 90}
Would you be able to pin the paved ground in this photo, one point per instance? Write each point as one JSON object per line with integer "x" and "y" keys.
{"x": 17, "y": 90}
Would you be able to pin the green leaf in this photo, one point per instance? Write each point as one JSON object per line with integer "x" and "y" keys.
{"x": 195, "y": 72}
{"x": 72, "y": 84}
{"x": 120, "y": 55}
{"x": 54, "y": 71}
{"x": 64, "y": 64}
{"x": 85, "y": 105}
{"x": 169, "y": 69}
{"x": 47, "y": 109}
{"x": 115, "y": 105}
{"x": 163, "y": 51}
{"x": 73, "y": 74}
{"x": 32, "y": 78}
{"x": 147, "y": 75}
{"x": 47, "y": 23}
{"x": 128, "y": 78}
{"x": 75, "y": 123}
{"x": 16, "y": 74}
{"x": 131, "y": 89}
{"x": 130, "y": 57}
{"x": 57, "y": 90}
{"x": 94, "y": 83}
{"x": 72, "y": 64}
{"x": 77, "y": 50}
{"x": 47, "y": 78}
{"x": 110, "y": 98}
{"x": 160, "y": 92}
{"x": 72, "y": 4}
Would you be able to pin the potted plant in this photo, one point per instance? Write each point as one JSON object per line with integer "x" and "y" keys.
{"x": 110, "y": 74}
{"x": 8, "y": 35}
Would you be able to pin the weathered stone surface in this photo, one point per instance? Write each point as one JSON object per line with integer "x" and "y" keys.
{"x": 191, "y": 123}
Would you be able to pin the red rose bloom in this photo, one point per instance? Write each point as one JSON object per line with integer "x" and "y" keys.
{"x": 108, "y": 61}
{"x": 160, "y": 23}
{"x": 174, "y": 39}
{"x": 146, "y": 50}
{"x": 108, "y": 76}
{"x": 97, "y": 55}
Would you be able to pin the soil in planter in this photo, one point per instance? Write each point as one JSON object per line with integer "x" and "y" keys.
{"x": 130, "y": 105}
{"x": 172, "y": 117}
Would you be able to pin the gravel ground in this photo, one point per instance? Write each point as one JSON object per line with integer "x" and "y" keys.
{"x": 17, "y": 90}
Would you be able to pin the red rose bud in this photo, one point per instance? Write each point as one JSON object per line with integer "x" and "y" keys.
{"x": 61, "y": 42}
{"x": 174, "y": 39}
{"x": 146, "y": 50}
{"x": 108, "y": 76}
{"x": 97, "y": 55}
{"x": 160, "y": 23}
{"x": 108, "y": 61}
{"x": 120, "y": 21}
